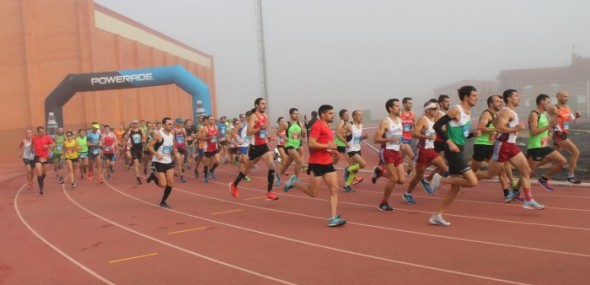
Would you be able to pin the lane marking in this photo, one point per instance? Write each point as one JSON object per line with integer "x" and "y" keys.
{"x": 386, "y": 228}
{"x": 236, "y": 267}
{"x": 227, "y": 212}
{"x": 133, "y": 257}
{"x": 187, "y": 230}
{"x": 301, "y": 241}
{"x": 52, "y": 246}
{"x": 254, "y": 198}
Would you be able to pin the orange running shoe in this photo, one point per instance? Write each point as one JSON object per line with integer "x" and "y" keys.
{"x": 89, "y": 176}
{"x": 357, "y": 180}
{"x": 100, "y": 181}
{"x": 234, "y": 190}
{"x": 270, "y": 196}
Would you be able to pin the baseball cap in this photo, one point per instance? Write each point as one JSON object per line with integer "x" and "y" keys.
{"x": 95, "y": 125}
{"x": 178, "y": 120}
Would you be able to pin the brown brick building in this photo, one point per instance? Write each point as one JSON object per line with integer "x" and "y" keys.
{"x": 44, "y": 40}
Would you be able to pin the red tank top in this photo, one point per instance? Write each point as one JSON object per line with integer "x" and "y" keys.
{"x": 261, "y": 136}
{"x": 212, "y": 143}
{"x": 564, "y": 116}
{"x": 109, "y": 141}
{"x": 408, "y": 124}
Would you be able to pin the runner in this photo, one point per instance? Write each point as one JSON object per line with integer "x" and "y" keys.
{"x": 200, "y": 144}
{"x": 294, "y": 134}
{"x": 180, "y": 143}
{"x": 83, "y": 152}
{"x": 191, "y": 131}
{"x": 94, "y": 152}
{"x": 147, "y": 155}
{"x": 135, "y": 138}
{"x": 108, "y": 143}
{"x": 508, "y": 125}
{"x": 560, "y": 134}
{"x": 210, "y": 134}
{"x": 483, "y": 145}
{"x": 538, "y": 148}
{"x": 408, "y": 120}
{"x": 162, "y": 148}
{"x": 390, "y": 133}
{"x": 341, "y": 134}
{"x": 424, "y": 131}
{"x": 257, "y": 128}
{"x": 71, "y": 149}
{"x": 41, "y": 143}
{"x": 243, "y": 142}
{"x": 58, "y": 154}
{"x": 223, "y": 129}
{"x": 281, "y": 134}
{"x": 353, "y": 149}
{"x": 321, "y": 167}
{"x": 28, "y": 155}
{"x": 458, "y": 128}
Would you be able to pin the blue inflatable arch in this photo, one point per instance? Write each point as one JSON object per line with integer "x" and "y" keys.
{"x": 136, "y": 78}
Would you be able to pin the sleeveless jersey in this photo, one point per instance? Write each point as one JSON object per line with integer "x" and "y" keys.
{"x": 425, "y": 143}
{"x": 564, "y": 117}
{"x": 243, "y": 135}
{"x": 82, "y": 143}
{"x": 539, "y": 140}
{"x": 395, "y": 130}
{"x": 59, "y": 144}
{"x": 212, "y": 143}
{"x": 338, "y": 141}
{"x": 71, "y": 149}
{"x": 458, "y": 131}
{"x": 408, "y": 124}
{"x": 487, "y": 138}
{"x": 355, "y": 138}
{"x": 136, "y": 138}
{"x": 28, "y": 152}
{"x": 510, "y": 137}
{"x": 260, "y": 137}
{"x": 108, "y": 146}
{"x": 281, "y": 140}
{"x": 165, "y": 148}
{"x": 293, "y": 135}
{"x": 179, "y": 137}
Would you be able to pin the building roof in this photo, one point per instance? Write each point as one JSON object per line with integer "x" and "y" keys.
{"x": 579, "y": 69}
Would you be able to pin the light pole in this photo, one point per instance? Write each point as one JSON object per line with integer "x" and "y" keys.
{"x": 261, "y": 56}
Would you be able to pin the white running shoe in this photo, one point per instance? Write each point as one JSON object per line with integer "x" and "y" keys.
{"x": 438, "y": 220}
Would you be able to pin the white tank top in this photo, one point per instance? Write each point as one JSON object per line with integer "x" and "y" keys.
{"x": 424, "y": 143}
{"x": 28, "y": 152}
{"x": 511, "y": 124}
{"x": 244, "y": 137}
{"x": 355, "y": 140}
{"x": 165, "y": 149}
{"x": 394, "y": 131}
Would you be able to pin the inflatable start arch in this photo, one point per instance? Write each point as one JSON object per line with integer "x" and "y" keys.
{"x": 176, "y": 74}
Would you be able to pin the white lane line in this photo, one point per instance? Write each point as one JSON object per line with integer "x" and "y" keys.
{"x": 456, "y": 200}
{"x": 314, "y": 244}
{"x": 55, "y": 248}
{"x": 169, "y": 244}
{"x": 387, "y": 228}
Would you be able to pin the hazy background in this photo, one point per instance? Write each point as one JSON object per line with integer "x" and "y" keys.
{"x": 356, "y": 54}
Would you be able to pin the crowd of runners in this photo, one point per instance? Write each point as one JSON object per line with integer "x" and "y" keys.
{"x": 166, "y": 149}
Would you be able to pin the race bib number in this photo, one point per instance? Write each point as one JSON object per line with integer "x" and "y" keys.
{"x": 493, "y": 136}
{"x": 407, "y": 127}
{"x": 42, "y": 159}
{"x": 431, "y": 133}
{"x": 95, "y": 151}
{"x": 107, "y": 148}
{"x": 70, "y": 150}
{"x": 545, "y": 142}
{"x": 167, "y": 149}
{"x": 214, "y": 139}
{"x": 356, "y": 140}
{"x": 28, "y": 152}
{"x": 247, "y": 139}
{"x": 59, "y": 147}
{"x": 566, "y": 125}
{"x": 466, "y": 130}
{"x": 180, "y": 139}
{"x": 262, "y": 134}
{"x": 296, "y": 135}
{"x": 136, "y": 138}
{"x": 83, "y": 155}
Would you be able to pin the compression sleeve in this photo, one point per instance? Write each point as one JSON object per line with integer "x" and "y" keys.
{"x": 438, "y": 127}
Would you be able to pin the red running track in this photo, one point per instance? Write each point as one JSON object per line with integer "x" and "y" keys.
{"x": 115, "y": 234}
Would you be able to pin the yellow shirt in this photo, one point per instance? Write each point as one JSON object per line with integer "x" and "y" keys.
{"x": 71, "y": 149}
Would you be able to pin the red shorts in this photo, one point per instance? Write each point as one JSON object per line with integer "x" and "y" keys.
{"x": 426, "y": 156}
{"x": 504, "y": 151}
{"x": 392, "y": 156}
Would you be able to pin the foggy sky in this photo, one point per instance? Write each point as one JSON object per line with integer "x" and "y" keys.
{"x": 356, "y": 54}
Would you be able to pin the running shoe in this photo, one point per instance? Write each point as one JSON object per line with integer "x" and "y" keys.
{"x": 348, "y": 189}
{"x": 426, "y": 186}
{"x": 384, "y": 207}
{"x": 61, "y": 181}
{"x": 336, "y": 221}
{"x": 346, "y": 173}
{"x": 573, "y": 180}
{"x": 290, "y": 183}
{"x": 408, "y": 198}
{"x": 212, "y": 174}
{"x": 247, "y": 178}
{"x": 206, "y": 179}
{"x": 438, "y": 220}
{"x": 150, "y": 177}
{"x": 41, "y": 191}
{"x": 74, "y": 185}
{"x": 100, "y": 181}
{"x": 89, "y": 176}
{"x": 30, "y": 185}
{"x": 234, "y": 190}
{"x": 270, "y": 196}
{"x": 532, "y": 205}
{"x": 182, "y": 179}
{"x": 138, "y": 180}
{"x": 357, "y": 180}
{"x": 545, "y": 184}
{"x": 164, "y": 205}
{"x": 277, "y": 180}
{"x": 512, "y": 195}
{"x": 376, "y": 174}
{"x": 435, "y": 183}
